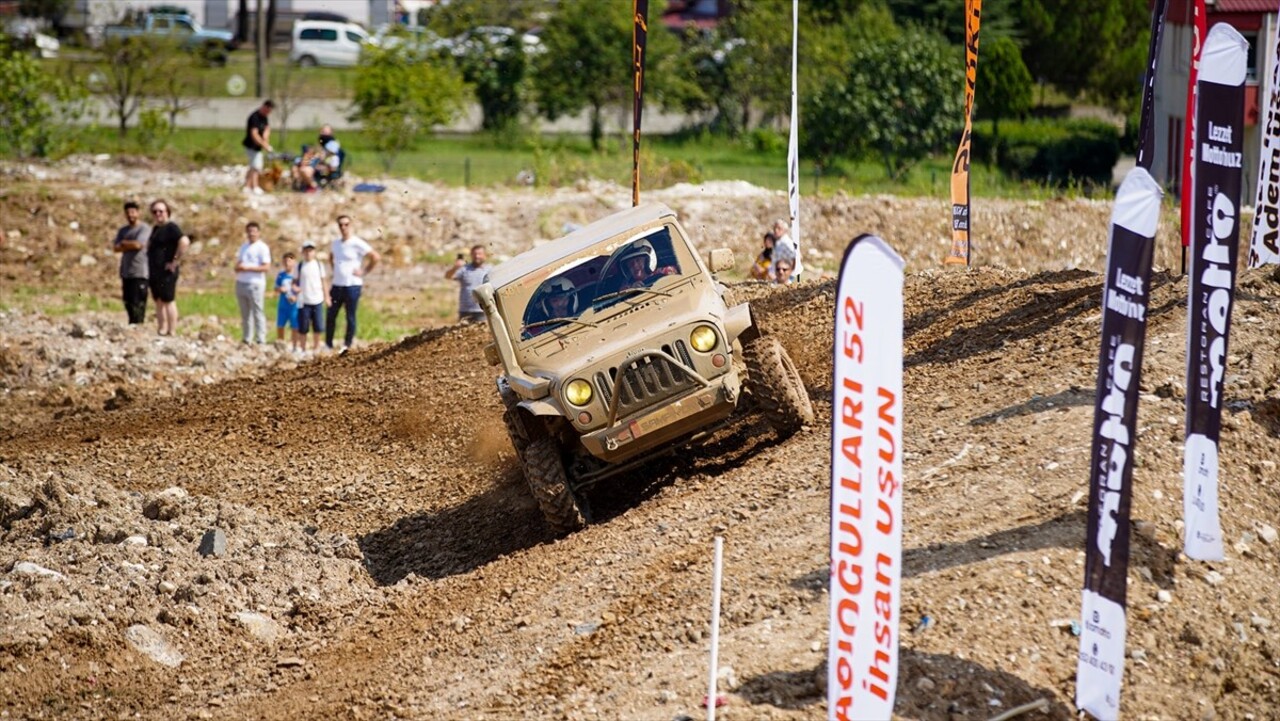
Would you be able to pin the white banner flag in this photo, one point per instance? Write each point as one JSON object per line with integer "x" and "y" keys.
{"x": 866, "y": 485}
{"x": 793, "y": 144}
{"x": 1264, "y": 244}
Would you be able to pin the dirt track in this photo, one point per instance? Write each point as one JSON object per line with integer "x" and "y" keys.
{"x": 374, "y": 513}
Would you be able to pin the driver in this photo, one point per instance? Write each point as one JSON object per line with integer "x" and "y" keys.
{"x": 640, "y": 266}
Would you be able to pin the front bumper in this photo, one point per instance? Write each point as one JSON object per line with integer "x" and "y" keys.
{"x": 647, "y": 430}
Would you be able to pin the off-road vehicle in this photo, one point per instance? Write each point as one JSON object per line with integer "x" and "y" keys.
{"x": 616, "y": 344}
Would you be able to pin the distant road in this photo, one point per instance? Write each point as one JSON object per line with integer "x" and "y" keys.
{"x": 231, "y": 113}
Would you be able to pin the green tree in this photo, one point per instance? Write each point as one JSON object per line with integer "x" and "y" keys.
{"x": 1091, "y": 47}
{"x": 830, "y": 31}
{"x": 585, "y": 62}
{"x": 899, "y": 100}
{"x": 37, "y": 110}
{"x": 497, "y": 72}
{"x": 130, "y": 70}
{"x": 1004, "y": 83}
{"x": 398, "y": 101}
{"x": 453, "y": 18}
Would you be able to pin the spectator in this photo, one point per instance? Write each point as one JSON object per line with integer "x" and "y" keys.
{"x": 347, "y": 260}
{"x": 257, "y": 143}
{"x": 131, "y": 244}
{"x": 469, "y": 276}
{"x": 784, "y": 273}
{"x": 309, "y": 287}
{"x": 785, "y": 249}
{"x": 324, "y": 160}
{"x": 253, "y": 260}
{"x": 286, "y": 301}
{"x": 165, "y": 250}
{"x": 760, "y": 269}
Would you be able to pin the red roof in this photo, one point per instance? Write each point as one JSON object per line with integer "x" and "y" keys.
{"x": 1244, "y": 6}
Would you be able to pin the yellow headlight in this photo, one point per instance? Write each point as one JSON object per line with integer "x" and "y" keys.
{"x": 578, "y": 392}
{"x": 703, "y": 338}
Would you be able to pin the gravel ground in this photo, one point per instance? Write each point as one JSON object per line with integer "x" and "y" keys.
{"x": 194, "y": 529}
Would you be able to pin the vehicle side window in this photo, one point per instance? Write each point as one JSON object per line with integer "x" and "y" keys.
{"x": 184, "y": 27}
{"x": 354, "y": 37}
{"x": 329, "y": 35}
{"x": 160, "y": 24}
{"x": 309, "y": 34}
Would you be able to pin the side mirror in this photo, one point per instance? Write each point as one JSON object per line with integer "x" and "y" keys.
{"x": 491, "y": 354}
{"x": 720, "y": 259}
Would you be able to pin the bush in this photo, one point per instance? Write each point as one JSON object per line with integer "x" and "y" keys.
{"x": 1054, "y": 152}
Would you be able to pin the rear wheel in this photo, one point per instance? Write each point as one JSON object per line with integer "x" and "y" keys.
{"x": 776, "y": 385}
{"x": 306, "y": 61}
{"x": 544, "y": 470}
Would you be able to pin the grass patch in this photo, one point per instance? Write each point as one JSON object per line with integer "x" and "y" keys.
{"x": 205, "y": 81}
{"x": 563, "y": 160}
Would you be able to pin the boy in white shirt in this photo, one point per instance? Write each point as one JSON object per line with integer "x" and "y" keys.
{"x": 308, "y": 286}
{"x": 253, "y": 260}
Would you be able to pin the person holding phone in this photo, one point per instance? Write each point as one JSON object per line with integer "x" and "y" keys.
{"x": 469, "y": 276}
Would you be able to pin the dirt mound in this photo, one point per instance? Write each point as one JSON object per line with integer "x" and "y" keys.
{"x": 349, "y": 536}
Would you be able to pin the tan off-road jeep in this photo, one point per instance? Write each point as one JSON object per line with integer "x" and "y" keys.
{"x": 616, "y": 345}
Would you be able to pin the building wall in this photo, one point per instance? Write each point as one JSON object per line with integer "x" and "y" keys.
{"x": 1171, "y": 99}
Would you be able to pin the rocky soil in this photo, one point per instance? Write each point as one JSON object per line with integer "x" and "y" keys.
{"x": 193, "y": 529}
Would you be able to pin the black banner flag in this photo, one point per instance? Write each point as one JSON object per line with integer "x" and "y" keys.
{"x": 1125, "y": 298}
{"x": 639, "y": 37}
{"x": 1215, "y": 241}
{"x": 1146, "y": 131}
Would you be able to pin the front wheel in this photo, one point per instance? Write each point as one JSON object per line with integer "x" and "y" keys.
{"x": 544, "y": 470}
{"x": 774, "y": 381}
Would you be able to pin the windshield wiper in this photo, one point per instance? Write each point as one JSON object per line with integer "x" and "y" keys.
{"x": 548, "y": 321}
{"x": 629, "y": 291}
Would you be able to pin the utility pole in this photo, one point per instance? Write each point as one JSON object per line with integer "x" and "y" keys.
{"x": 260, "y": 31}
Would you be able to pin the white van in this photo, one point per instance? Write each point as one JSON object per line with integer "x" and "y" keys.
{"x": 323, "y": 42}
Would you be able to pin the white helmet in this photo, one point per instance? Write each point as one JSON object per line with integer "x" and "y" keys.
{"x": 558, "y": 287}
{"x": 640, "y": 248}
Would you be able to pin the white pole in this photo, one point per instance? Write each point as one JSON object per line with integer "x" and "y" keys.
{"x": 715, "y": 628}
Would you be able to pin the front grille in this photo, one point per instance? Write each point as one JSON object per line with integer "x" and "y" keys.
{"x": 646, "y": 381}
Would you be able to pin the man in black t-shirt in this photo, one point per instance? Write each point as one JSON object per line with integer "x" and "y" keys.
{"x": 257, "y": 134}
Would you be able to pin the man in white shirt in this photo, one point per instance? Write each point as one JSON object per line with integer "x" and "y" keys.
{"x": 785, "y": 249}
{"x": 253, "y": 260}
{"x": 347, "y": 260}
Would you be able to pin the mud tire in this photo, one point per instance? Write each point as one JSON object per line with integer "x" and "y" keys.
{"x": 776, "y": 386}
{"x": 517, "y": 428}
{"x": 544, "y": 470}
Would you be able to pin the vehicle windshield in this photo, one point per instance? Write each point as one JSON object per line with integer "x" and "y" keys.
{"x": 596, "y": 282}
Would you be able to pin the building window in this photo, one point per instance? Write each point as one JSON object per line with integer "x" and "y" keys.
{"x": 1251, "y": 64}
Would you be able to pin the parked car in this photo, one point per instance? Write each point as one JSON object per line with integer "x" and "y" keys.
{"x": 327, "y": 43}
{"x": 493, "y": 35}
{"x": 28, "y": 38}
{"x": 179, "y": 27}
{"x": 419, "y": 42}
